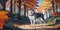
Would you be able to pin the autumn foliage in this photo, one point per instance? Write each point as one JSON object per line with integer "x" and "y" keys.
{"x": 58, "y": 1}
{"x": 3, "y": 18}
{"x": 30, "y": 3}
{"x": 55, "y": 14}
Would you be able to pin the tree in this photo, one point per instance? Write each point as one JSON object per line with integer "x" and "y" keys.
{"x": 3, "y": 3}
{"x": 46, "y": 4}
{"x": 3, "y": 18}
{"x": 19, "y": 1}
{"x": 28, "y": 4}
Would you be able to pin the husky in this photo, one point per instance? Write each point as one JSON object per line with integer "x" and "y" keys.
{"x": 35, "y": 17}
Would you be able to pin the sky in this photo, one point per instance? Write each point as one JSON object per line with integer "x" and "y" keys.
{"x": 40, "y": 1}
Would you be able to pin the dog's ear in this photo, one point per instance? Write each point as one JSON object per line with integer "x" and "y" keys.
{"x": 32, "y": 12}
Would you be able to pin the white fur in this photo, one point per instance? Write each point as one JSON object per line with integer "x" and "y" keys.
{"x": 33, "y": 20}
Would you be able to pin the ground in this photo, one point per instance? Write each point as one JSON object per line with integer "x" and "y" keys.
{"x": 49, "y": 25}
{"x": 37, "y": 26}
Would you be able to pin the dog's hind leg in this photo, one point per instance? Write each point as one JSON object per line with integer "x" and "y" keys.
{"x": 42, "y": 20}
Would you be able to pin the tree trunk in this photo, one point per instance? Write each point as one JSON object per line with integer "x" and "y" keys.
{"x": 56, "y": 8}
{"x": 11, "y": 7}
{"x": 3, "y": 2}
{"x": 53, "y": 9}
{"x": 53, "y": 5}
{"x": 11, "y": 12}
{"x": 25, "y": 10}
{"x": 19, "y": 1}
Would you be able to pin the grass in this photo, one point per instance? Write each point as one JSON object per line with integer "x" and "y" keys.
{"x": 58, "y": 18}
{"x": 52, "y": 22}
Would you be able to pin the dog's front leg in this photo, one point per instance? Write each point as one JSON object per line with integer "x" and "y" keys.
{"x": 34, "y": 22}
{"x": 31, "y": 22}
